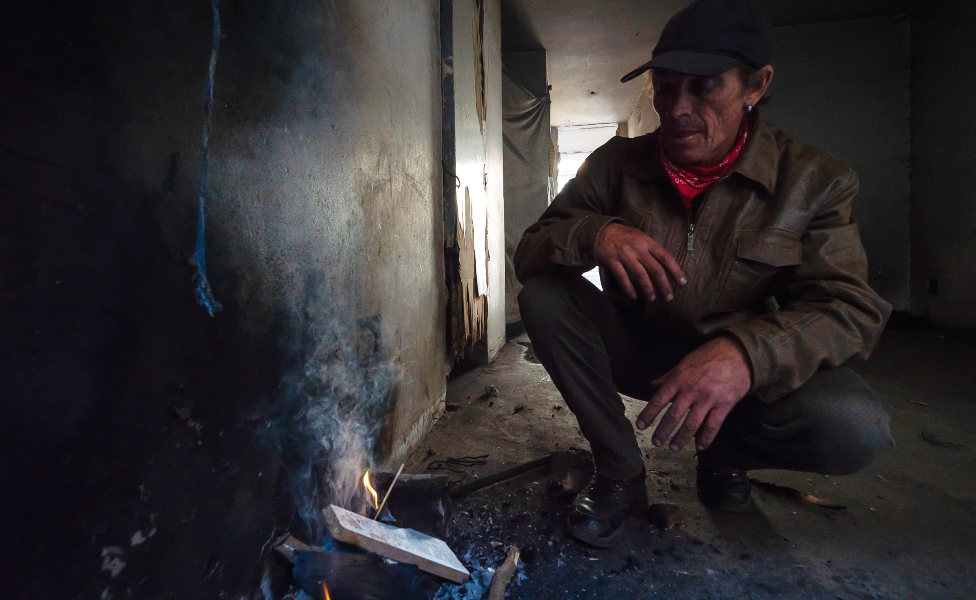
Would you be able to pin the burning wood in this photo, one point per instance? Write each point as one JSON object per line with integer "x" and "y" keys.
{"x": 402, "y": 545}
{"x": 287, "y": 545}
{"x": 372, "y": 492}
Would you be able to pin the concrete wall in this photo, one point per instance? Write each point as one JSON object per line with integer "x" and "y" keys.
{"x": 326, "y": 205}
{"x": 843, "y": 87}
{"x": 479, "y": 158}
{"x": 943, "y": 152}
{"x": 643, "y": 119}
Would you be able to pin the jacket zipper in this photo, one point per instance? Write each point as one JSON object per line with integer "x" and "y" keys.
{"x": 671, "y": 309}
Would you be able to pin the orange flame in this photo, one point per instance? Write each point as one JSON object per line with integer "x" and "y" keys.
{"x": 376, "y": 501}
{"x": 326, "y": 590}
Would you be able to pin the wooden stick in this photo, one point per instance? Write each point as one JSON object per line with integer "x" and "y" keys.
{"x": 499, "y": 581}
{"x": 474, "y": 485}
{"x": 388, "y": 490}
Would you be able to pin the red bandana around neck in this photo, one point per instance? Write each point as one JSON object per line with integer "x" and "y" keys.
{"x": 691, "y": 181}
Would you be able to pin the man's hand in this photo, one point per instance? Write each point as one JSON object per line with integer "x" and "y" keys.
{"x": 634, "y": 258}
{"x": 706, "y": 384}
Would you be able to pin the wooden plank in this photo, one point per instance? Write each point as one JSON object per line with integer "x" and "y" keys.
{"x": 402, "y": 545}
{"x": 287, "y": 544}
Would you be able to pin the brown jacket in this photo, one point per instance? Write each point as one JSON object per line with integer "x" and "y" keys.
{"x": 778, "y": 227}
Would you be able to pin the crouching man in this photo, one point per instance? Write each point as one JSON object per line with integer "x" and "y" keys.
{"x": 735, "y": 285}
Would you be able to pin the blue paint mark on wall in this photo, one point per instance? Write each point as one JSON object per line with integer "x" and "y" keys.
{"x": 205, "y": 297}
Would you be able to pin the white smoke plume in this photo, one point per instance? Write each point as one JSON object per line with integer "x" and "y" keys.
{"x": 333, "y": 401}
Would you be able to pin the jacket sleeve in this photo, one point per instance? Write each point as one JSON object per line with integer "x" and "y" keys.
{"x": 562, "y": 240}
{"x": 828, "y": 313}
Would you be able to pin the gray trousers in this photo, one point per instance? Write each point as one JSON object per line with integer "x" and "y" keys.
{"x": 594, "y": 349}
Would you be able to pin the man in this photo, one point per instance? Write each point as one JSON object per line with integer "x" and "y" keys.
{"x": 735, "y": 285}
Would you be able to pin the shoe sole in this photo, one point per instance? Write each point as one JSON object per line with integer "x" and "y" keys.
{"x": 587, "y": 537}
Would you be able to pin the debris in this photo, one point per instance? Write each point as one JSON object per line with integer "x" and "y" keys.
{"x": 450, "y": 464}
{"x": 919, "y": 403}
{"x": 504, "y": 574}
{"x": 518, "y": 409}
{"x": 666, "y": 516}
{"x": 474, "y": 589}
{"x": 402, "y": 545}
{"x": 491, "y": 391}
{"x": 931, "y": 439}
{"x": 882, "y": 478}
{"x": 794, "y": 495}
{"x": 113, "y": 561}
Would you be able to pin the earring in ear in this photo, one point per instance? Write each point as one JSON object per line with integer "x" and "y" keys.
{"x": 749, "y": 108}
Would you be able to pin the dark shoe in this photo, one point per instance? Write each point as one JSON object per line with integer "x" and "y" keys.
{"x": 721, "y": 486}
{"x": 600, "y": 510}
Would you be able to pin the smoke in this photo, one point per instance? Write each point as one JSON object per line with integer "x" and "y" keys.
{"x": 333, "y": 398}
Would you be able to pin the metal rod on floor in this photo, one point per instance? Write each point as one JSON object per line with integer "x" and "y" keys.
{"x": 464, "y": 489}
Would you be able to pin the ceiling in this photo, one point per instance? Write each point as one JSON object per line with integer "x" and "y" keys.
{"x": 591, "y": 44}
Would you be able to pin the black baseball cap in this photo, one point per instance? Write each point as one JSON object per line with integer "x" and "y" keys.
{"x": 711, "y": 37}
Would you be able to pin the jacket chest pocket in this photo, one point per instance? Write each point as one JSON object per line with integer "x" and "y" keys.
{"x": 758, "y": 257}
{"x": 637, "y": 218}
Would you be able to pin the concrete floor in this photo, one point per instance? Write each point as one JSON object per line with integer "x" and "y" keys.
{"x": 907, "y": 531}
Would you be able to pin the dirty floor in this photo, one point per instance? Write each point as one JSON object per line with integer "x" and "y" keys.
{"x": 907, "y": 530}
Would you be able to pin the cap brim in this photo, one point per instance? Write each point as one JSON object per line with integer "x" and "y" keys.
{"x": 689, "y": 63}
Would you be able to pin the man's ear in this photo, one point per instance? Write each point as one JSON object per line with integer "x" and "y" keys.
{"x": 759, "y": 84}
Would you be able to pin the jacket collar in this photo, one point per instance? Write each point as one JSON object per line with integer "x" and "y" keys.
{"x": 759, "y": 160}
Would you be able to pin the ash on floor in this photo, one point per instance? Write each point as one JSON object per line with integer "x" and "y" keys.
{"x": 904, "y": 534}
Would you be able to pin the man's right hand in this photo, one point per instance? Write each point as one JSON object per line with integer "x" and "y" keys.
{"x": 635, "y": 258}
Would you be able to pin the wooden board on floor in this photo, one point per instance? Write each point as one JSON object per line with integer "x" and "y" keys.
{"x": 402, "y": 545}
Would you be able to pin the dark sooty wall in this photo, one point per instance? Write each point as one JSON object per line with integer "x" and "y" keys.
{"x": 135, "y": 453}
{"x": 843, "y": 87}
{"x": 943, "y": 152}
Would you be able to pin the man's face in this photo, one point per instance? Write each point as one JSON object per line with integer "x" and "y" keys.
{"x": 700, "y": 116}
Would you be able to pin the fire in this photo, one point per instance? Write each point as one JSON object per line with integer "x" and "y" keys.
{"x": 326, "y": 590}
{"x": 376, "y": 501}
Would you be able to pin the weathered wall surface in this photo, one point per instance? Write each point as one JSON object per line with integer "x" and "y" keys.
{"x": 843, "y": 87}
{"x": 943, "y": 151}
{"x": 326, "y": 204}
{"x": 478, "y": 146}
{"x": 643, "y": 119}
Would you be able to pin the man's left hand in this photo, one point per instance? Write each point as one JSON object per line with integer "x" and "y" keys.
{"x": 706, "y": 384}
